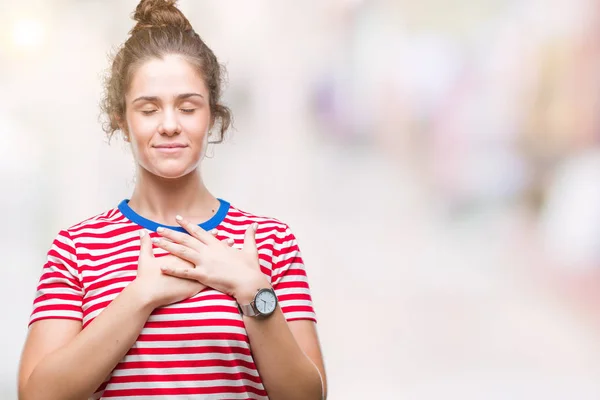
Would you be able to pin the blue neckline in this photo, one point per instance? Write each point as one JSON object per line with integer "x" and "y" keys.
{"x": 212, "y": 223}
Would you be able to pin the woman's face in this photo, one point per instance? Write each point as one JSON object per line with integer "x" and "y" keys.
{"x": 167, "y": 116}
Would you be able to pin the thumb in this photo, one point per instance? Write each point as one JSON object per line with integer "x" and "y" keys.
{"x": 145, "y": 245}
{"x": 250, "y": 240}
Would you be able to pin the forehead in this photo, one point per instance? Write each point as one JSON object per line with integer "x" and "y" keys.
{"x": 166, "y": 77}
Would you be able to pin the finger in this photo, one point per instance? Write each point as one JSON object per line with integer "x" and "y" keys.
{"x": 215, "y": 234}
{"x": 196, "y": 231}
{"x": 229, "y": 241}
{"x": 179, "y": 237}
{"x": 250, "y": 239}
{"x": 178, "y": 250}
{"x": 186, "y": 273}
{"x": 145, "y": 245}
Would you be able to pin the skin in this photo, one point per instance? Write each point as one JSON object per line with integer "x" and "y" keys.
{"x": 167, "y": 104}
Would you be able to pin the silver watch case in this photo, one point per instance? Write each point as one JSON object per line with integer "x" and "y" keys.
{"x": 250, "y": 310}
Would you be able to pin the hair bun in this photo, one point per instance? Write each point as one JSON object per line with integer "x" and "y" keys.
{"x": 159, "y": 14}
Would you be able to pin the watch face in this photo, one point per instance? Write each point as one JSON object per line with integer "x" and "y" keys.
{"x": 265, "y": 302}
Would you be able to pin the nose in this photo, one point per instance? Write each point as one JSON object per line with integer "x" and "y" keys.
{"x": 169, "y": 125}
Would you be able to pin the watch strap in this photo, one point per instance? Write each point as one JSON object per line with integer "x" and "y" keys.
{"x": 248, "y": 309}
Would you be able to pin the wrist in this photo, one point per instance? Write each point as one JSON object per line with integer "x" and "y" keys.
{"x": 246, "y": 291}
{"x": 139, "y": 297}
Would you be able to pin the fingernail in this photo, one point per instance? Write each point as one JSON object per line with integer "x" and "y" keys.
{"x": 160, "y": 229}
{"x": 255, "y": 226}
{"x": 179, "y": 218}
{"x": 155, "y": 240}
{"x": 142, "y": 233}
{"x": 230, "y": 241}
{"x": 214, "y": 231}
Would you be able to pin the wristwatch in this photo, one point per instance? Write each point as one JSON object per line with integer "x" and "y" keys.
{"x": 263, "y": 305}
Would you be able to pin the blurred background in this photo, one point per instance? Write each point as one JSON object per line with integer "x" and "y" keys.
{"x": 439, "y": 162}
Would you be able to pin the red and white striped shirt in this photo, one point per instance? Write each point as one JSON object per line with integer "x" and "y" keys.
{"x": 194, "y": 349}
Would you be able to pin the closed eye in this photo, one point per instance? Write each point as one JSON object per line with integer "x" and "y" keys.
{"x": 188, "y": 110}
{"x": 148, "y": 112}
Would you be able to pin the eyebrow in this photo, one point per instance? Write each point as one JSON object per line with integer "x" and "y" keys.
{"x": 182, "y": 96}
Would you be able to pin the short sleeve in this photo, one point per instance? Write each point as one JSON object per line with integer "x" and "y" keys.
{"x": 59, "y": 292}
{"x": 290, "y": 281}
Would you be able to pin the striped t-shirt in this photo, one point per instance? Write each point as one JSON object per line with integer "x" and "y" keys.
{"x": 194, "y": 349}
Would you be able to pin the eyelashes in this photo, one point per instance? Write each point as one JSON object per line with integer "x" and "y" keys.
{"x": 183, "y": 110}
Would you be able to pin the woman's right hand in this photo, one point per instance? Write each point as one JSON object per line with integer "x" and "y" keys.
{"x": 156, "y": 288}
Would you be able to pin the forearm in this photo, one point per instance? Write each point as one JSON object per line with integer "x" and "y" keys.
{"x": 286, "y": 371}
{"x": 76, "y": 370}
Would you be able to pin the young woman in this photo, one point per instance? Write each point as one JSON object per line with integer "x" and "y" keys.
{"x": 174, "y": 293}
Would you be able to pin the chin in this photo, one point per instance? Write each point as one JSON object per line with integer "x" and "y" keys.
{"x": 173, "y": 172}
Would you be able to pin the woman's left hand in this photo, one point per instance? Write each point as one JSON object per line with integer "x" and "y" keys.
{"x": 216, "y": 264}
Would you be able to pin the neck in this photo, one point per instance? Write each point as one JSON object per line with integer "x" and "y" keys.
{"x": 160, "y": 199}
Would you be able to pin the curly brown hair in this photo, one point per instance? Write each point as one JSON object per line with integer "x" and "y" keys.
{"x": 162, "y": 30}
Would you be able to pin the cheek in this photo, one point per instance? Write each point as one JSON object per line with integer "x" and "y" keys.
{"x": 196, "y": 128}
{"x": 139, "y": 132}
{"x": 140, "y": 126}
{"x": 195, "y": 124}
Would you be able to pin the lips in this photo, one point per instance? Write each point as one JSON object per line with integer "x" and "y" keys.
{"x": 170, "y": 146}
